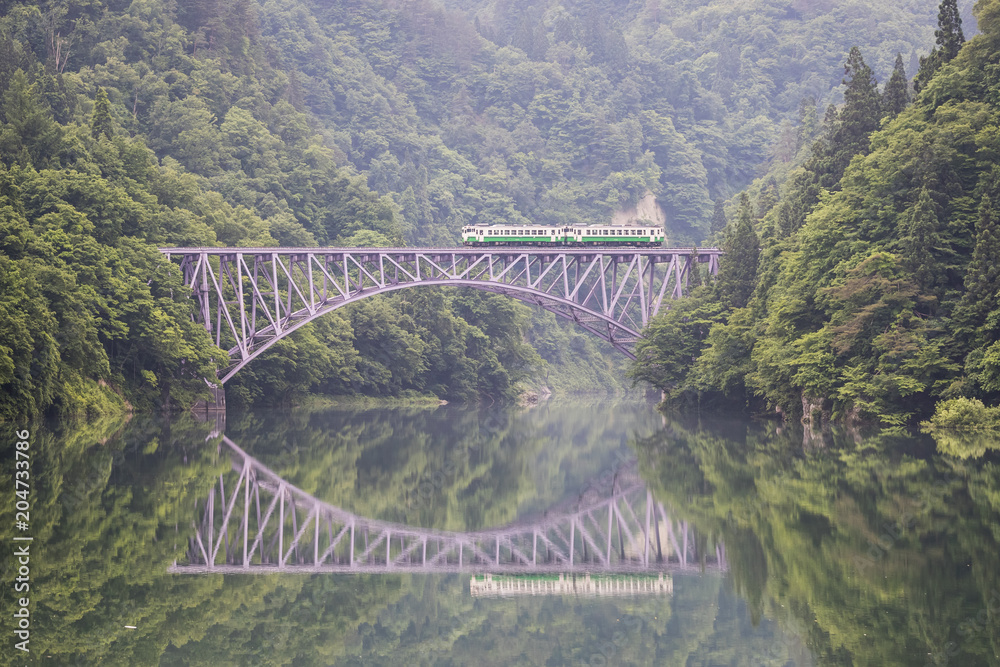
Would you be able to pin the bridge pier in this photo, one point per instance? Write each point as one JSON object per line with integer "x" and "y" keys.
{"x": 215, "y": 404}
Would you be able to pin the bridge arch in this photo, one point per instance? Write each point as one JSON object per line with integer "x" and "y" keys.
{"x": 250, "y": 298}
{"x": 561, "y": 307}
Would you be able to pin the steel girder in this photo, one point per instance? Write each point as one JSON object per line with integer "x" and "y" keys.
{"x": 255, "y": 521}
{"x": 249, "y": 298}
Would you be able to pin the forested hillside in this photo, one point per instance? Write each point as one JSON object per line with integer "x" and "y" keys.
{"x": 865, "y": 286}
{"x": 201, "y": 122}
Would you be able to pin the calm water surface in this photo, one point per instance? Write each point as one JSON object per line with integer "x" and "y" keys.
{"x": 694, "y": 542}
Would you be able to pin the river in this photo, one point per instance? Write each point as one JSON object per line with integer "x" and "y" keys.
{"x": 566, "y": 533}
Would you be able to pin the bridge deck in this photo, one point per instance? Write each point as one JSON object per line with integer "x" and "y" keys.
{"x": 460, "y": 250}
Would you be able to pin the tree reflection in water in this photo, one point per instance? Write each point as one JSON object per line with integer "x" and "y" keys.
{"x": 869, "y": 550}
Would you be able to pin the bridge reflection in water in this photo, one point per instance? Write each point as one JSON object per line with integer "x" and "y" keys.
{"x": 253, "y": 521}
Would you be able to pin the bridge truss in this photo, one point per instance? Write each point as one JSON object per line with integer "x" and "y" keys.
{"x": 255, "y": 521}
{"x": 249, "y": 298}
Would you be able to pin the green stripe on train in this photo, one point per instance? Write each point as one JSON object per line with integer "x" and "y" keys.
{"x": 492, "y": 239}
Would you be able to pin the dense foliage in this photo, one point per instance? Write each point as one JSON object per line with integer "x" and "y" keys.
{"x": 94, "y": 319}
{"x": 875, "y": 295}
{"x": 132, "y": 125}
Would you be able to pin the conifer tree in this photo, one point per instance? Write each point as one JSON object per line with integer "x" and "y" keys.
{"x": 808, "y": 122}
{"x": 949, "y": 36}
{"x": 738, "y": 266}
{"x": 982, "y": 278}
{"x": 767, "y": 199}
{"x": 100, "y": 122}
{"x": 694, "y": 276}
{"x": 918, "y": 238}
{"x": 859, "y": 117}
{"x": 786, "y": 219}
{"x": 896, "y": 95}
{"x": 949, "y": 40}
{"x": 30, "y": 132}
{"x": 719, "y": 220}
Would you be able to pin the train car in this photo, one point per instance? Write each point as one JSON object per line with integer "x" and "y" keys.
{"x": 617, "y": 235}
{"x": 513, "y": 235}
{"x": 573, "y": 235}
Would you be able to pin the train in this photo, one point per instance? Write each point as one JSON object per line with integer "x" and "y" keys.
{"x": 635, "y": 235}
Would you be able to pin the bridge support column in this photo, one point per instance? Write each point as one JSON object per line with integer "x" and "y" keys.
{"x": 216, "y": 402}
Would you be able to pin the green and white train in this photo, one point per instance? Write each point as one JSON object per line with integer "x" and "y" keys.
{"x": 573, "y": 235}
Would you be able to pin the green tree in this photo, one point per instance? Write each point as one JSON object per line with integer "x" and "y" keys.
{"x": 856, "y": 120}
{"x": 920, "y": 241}
{"x": 672, "y": 342}
{"x": 694, "y": 276}
{"x": 738, "y": 265}
{"x": 719, "y": 220}
{"x": 949, "y": 39}
{"x": 896, "y": 94}
{"x": 30, "y": 135}
{"x": 981, "y": 302}
{"x": 100, "y": 122}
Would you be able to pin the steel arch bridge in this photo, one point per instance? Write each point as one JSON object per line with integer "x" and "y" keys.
{"x": 253, "y": 521}
{"x": 250, "y": 298}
